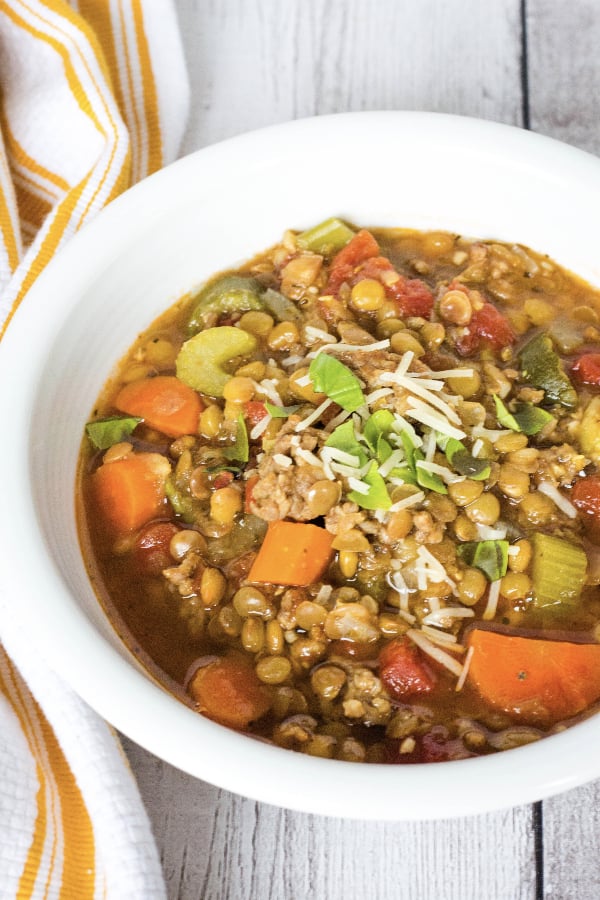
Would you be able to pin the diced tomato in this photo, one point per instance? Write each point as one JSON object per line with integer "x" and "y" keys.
{"x": 403, "y": 670}
{"x": 250, "y": 485}
{"x": 151, "y": 548}
{"x": 412, "y": 296}
{"x": 222, "y": 479}
{"x": 435, "y": 745}
{"x": 587, "y": 369}
{"x": 487, "y": 327}
{"x": 585, "y": 495}
{"x": 254, "y": 411}
{"x": 362, "y": 246}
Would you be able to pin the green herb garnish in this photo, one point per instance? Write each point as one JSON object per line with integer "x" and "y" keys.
{"x": 464, "y": 462}
{"x": 377, "y": 496}
{"x": 526, "y": 418}
{"x": 344, "y": 438}
{"x": 542, "y": 367}
{"x": 281, "y": 412}
{"x": 491, "y": 557}
{"x": 103, "y": 433}
{"x": 331, "y": 377}
{"x": 240, "y": 451}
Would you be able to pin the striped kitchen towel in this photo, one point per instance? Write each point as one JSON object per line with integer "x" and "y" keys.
{"x": 93, "y": 98}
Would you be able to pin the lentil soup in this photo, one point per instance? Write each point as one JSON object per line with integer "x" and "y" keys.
{"x": 347, "y": 497}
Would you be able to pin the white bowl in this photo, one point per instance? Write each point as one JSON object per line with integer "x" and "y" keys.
{"x": 205, "y": 213}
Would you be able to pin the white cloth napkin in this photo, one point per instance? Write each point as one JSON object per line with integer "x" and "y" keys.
{"x": 94, "y": 97}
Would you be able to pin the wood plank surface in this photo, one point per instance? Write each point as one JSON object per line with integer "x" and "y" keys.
{"x": 215, "y": 845}
{"x": 563, "y": 80}
{"x": 257, "y": 62}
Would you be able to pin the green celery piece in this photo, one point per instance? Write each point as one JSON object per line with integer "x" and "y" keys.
{"x": 376, "y": 427}
{"x": 378, "y": 497}
{"x": 200, "y": 361}
{"x": 281, "y": 306}
{"x": 331, "y": 377}
{"x": 281, "y": 412}
{"x": 240, "y": 450}
{"x": 103, "y": 433}
{"x": 182, "y": 503}
{"x": 428, "y": 480}
{"x": 527, "y": 418}
{"x": 343, "y": 438}
{"x": 465, "y": 464}
{"x": 491, "y": 557}
{"x": 541, "y": 367}
{"x": 326, "y": 238}
{"x": 558, "y": 571}
{"x": 231, "y": 293}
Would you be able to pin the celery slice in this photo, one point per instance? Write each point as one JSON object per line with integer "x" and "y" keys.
{"x": 232, "y": 293}
{"x": 558, "y": 570}
{"x": 327, "y": 237}
{"x": 200, "y": 361}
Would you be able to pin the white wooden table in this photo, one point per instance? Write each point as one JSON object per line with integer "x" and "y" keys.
{"x": 532, "y": 63}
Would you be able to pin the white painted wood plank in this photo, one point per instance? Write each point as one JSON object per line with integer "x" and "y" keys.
{"x": 257, "y": 62}
{"x": 564, "y": 70}
{"x": 254, "y": 63}
{"x": 564, "y": 99}
{"x": 571, "y": 859}
{"x": 216, "y": 845}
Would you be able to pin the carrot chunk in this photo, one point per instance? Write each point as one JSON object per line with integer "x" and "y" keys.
{"x": 229, "y": 691}
{"x": 164, "y": 403}
{"x": 292, "y": 553}
{"x": 534, "y": 680}
{"x": 128, "y": 492}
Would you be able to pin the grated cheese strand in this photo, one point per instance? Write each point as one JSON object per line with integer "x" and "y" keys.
{"x": 559, "y": 500}
{"x": 492, "y": 603}
{"x": 423, "y": 642}
{"x": 314, "y": 415}
{"x": 465, "y": 670}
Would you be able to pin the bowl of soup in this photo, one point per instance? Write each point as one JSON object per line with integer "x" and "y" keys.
{"x": 303, "y": 465}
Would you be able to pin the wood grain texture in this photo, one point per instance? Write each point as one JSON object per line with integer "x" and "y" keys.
{"x": 215, "y": 845}
{"x": 564, "y": 70}
{"x": 564, "y": 100}
{"x": 257, "y": 62}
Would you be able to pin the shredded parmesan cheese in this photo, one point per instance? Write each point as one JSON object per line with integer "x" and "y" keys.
{"x": 492, "y": 603}
{"x": 313, "y": 334}
{"x": 308, "y": 457}
{"x": 565, "y": 506}
{"x": 268, "y": 387}
{"x": 283, "y": 460}
{"x": 430, "y": 649}
{"x": 443, "y": 617}
{"x": 487, "y": 533}
{"x": 359, "y": 486}
{"x": 260, "y": 427}
{"x": 411, "y": 500}
{"x": 465, "y": 670}
{"x": 314, "y": 415}
{"x": 427, "y": 416}
{"x": 444, "y": 472}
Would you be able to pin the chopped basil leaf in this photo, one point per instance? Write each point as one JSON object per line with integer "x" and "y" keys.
{"x": 240, "y": 451}
{"x": 103, "y": 433}
{"x": 281, "y": 412}
{"x": 331, "y": 377}
{"x": 377, "y": 426}
{"x": 377, "y": 496}
{"x": 464, "y": 463}
{"x": 343, "y": 438}
{"x": 426, "y": 479}
{"x": 491, "y": 557}
{"x": 527, "y": 418}
{"x": 542, "y": 367}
